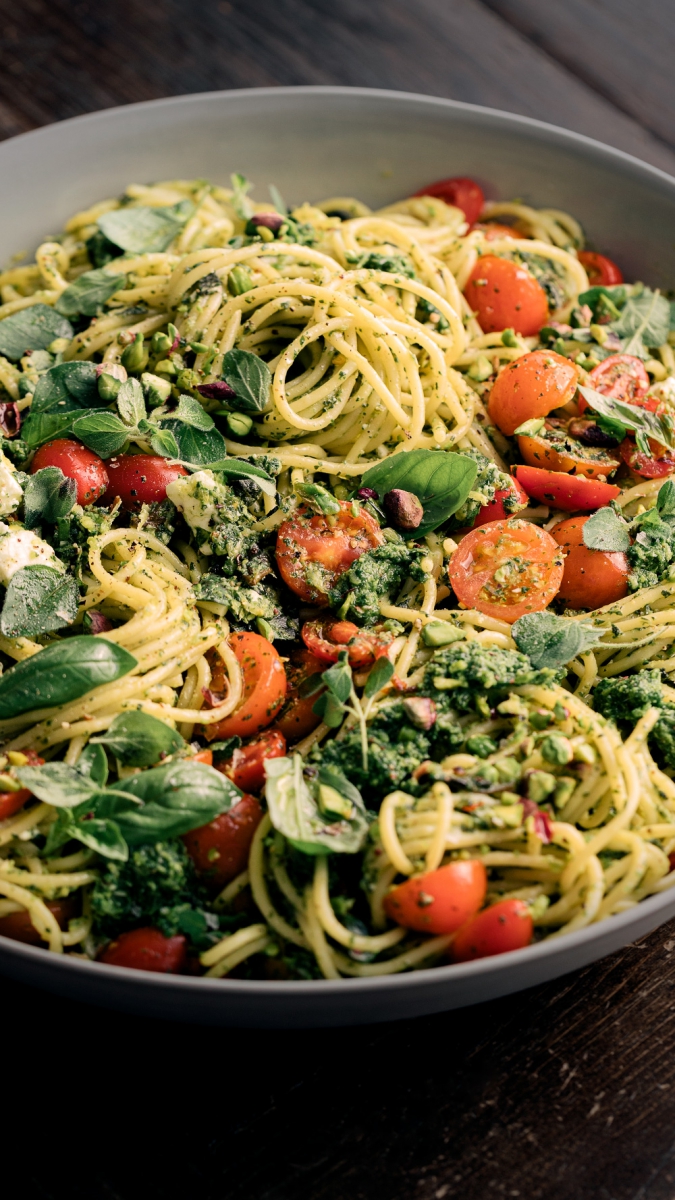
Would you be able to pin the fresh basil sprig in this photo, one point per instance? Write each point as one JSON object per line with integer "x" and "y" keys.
{"x": 296, "y": 813}
{"x": 627, "y": 417}
{"x": 138, "y": 739}
{"x": 60, "y": 673}
{"x": 31, "y": 328}
{"x": 39, "y": 599}
{"x": 550, "y": 641}
{"x": 142, "y": 230}
{"x": 88, "y": 293}
{"x": 198, "y": 446}
{"x": 65, "y": 388}
{"x": 441, "y": 480}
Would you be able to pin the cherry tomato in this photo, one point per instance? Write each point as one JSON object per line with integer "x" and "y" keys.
{"x": 312, "y": 552}
{"x": 504, "y": 295}
{"x": 573, "y": 493}
{"x": 76, "y": 462}
{"x": 506, "y": 569}
{"x": 327, "y": 638}
{"x": 11, "y": 802}
{"x": 19, "y": 927}
{"x": 661, "y": 462}
{"x": 492, "y": 230}
{"x": 220, "y": 849}
{"x": 557, "y": 451}
{"x": 621, "y": 376}
{"x": 140, "y": 479}
{"x": 246, "y": 768}
{"x": 146, "y": 950}
{"x": 440, "y": 901}
{"x": 532, "y": 386}
{"x": 460, "y": 192}
{"x": 264, "y": 687}
{"x": 495, "y": 510}
{"x": 204, "y": 756}
{"x": 601, "y": 270}
{"x": 504, "y": 926}
{"x": 592, "y": 578}
{"x": 297, "y": 718}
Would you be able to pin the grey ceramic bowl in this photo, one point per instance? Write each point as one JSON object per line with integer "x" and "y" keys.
{"x": 314, "y": 143}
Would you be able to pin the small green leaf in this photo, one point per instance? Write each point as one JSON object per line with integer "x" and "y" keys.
{"x": 330, "y": 709}
{"x": 318, "y": 498}
{"x": 239, "y": 201}
{"x": 278, "y": 200}
{"x": 60, "y": 673}
{"x": 295, "y": 813}
{"x": 665, "y": 501}
{"x": 606, "y": 531}
{"x": 102, "y": 835}
{"x": 192, "y": 413}
{"x": 141, "y": 230}
{"x": 65, "y": 388}
{"x": 441, "y": 480}
{"x": 39, "y": 428}
{"x": 629, "y": 416}
{"x": 131, "y": 402}
{"x": 162, "y": 441}
{"x": 140, "y": 740}
{"x": 31, "y": 328}
{"x": 48, "y": 495}
{"x": 236, "y": 468}
{"x": 102, "y": 432}
{"x": 196, "y": 446}
{"x": 249, "y": 377}
{"x": 88, "y": 293}
{"x": 644, "y": 319}
{"x": 379, "y": 677}
{"x": 93, "y": 764}
{"x": 338, "y": 679}
{"x": 39, "y": 600}
{"x": 58, "y": 784}
{"x": 551, "y": 641}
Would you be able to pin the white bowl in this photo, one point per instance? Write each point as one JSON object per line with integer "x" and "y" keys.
{"x": 380, "y": 146}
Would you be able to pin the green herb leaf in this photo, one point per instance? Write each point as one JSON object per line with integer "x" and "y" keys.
{"x": 39, "y": 600}
{"x": 162, "y": 441}
{"x": 66, "y": 387}
{"x": 93, "y": 764}
{"x": 379, "y": 677}
{"x": 60, "y": 673}
{"x": 278, "y": 200}
{"x": 249, "y": 377}
{"x": 338, "y": 679}
{"x": 175, "y": 798}
{"x": 39, "y": 428}
{"x": 191, "y": 412}
{"x": 441, "y": 481}
{"x": 295, "y": 813}
{"x": 140, "y": 740}
{"x": 102, "y": 835}
{"x": 645, "y": 319}
{"x": 318, "y": 498}
{"x": 48, "y": 495}
{"x": 141, "y": 230}
{"x": 199, "y": 447}
{"x": 239, "y": 201}
{"x": 665, "y": 501}
{"x": 637, "y": 419}
{"x": 606, "y": 531}
{"x": 102, "y": 432}
{"x": 31, "y": 329}
{"x": 330, "y": 710}
{"x": 131, "y": 402}
{"x": 337, "y": 780}
{"x": 236, "y": 468}
{"x": 550, "y": 641}
{"x": 58, "y": 784}
{"x": 88, "y": 293}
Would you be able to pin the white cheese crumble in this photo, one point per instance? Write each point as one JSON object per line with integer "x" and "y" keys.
{"x": 198, "y": 497}
{"x": 10, "y": 489}
{"x": 22, "y": 548}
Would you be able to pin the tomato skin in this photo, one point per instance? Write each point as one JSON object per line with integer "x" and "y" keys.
{"x": 146, "y": 950}
{"x": 459, "y": 191}
{"x": 11, "y": 802}
{"x": 220, "y": 849}
{"x": 492, "y": 231}
{"x": 264, "y": 687}
{"x": 506, "y": 925}
{"x": 657, "y": 466}
{"x": 204, "y": 756}
{"x": 601, "y": 271}
{"x": 325, "y": 639}
{"x": 440, "y": 901}
{"x": 483, "y": 550}
{"x": 505, "y": 295}
{"x": 297, "y": 718}
{"x": 76, "y": 462}
{"x": 532, "y": 386}
{"x": 573, "y": 493}
{"x": 19, "y": 928}
{"x": 592, "y": 578}
{"x": 246, "y": 768}
{"x": 140, "y": 479}
{"x": 621, "y": 376}
{"x": 495, "y": 511}
{"x": 538, "y": 452}
{"x": 310, "y": 539}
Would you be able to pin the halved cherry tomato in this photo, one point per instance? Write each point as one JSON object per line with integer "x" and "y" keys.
{"x": 440, "y": 901}
{"x": 204, "y": 756}
{"x": 298, "y": 718}
{"x": 505, "y": 295}
{"x": 492, "y": 230}
{"x": 327, "y": 638}
{"x": 532, "y": 386}
{"x": 573, "y": 493}
{"x": 495, "y": 510}
{"x": 264, "y": 687}
{"x": 11, "y": 802}
{"x": 601, "y": 270}
{"x": 661, "y": 462}
{"x": 506, "y": 569}
{"x": 592, "y": 578}
{"x": 220, "y": 849}
{"x": 146, "y": 950}
{"x": 313, "y": 551}
{"x": 19, "y": 927}
{"x": 246, "y": 768}
{"x": 140, "y": 479}
{"x": 76, "y": 462}
{"x": 621, "y": 376}
{"x": 506, "y": 925}
{"x": 460, "y": 192}
{"x": 555, "y": 450}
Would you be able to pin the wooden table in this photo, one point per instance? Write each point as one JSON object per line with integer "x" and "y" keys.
{"x": 566, "y": 1092}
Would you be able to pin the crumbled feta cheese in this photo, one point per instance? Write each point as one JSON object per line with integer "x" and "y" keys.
{"x": 10, "y": 488}
{"x": 22, "y": 548}
{"x": 198, "y": 497}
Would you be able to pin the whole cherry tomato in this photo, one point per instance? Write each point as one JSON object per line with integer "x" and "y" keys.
{"x": 19, "y": 927}
{"x": 76, "y": 462}
{"x": 532, "y": 386}
{"x": 325, "y": 639}
{"x": 461, "y": 192}
{"x": 440, "y": 901}
{"x": 573, "y": 493}
{"x": 11, "y": 802}
{"x": 492, "y": 231}
{"x": 140, "y": 479}
{"x": 656, "y": 465}
{"x": 592, "y": 578}
{"x": 506, "y": 569}
{"x": 506, "y": 925}
{"x": 313, "y": 551}
{"x": 621, "y": 376}
{"x": 554, "y": 449}
{"x": 297, "y": 718}
{"x": 601, "y": 270}
{"x": 146, "y": 950}
{"x": 246, "y": 768}
{"x": 264, "y": 687}
{"x": 496, "y": 511}
{"x": 220, "y": 849}
{"x": 505, "y": 295}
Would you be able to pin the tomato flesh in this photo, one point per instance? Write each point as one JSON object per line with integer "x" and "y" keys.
{"x": 621, "y": 376}
{"x": 220, "y": 849}
{"x": 246, "y": 768}
{"x": 297, "y": 719}
{"x": 440, "y": 901}
{"x": 146, "y": 950}
{"x": 495, "y": 510}
{"x": 313, "y": 551}
{"x": 19, "y": 927}
{"x": 504, "y": 295}
{"x": 506, "y": 569}
{"x": 505, "y": 926}
{"x": 532, "y": 386}
{"x": 656, "y": 465}
{"x": 264, "y": 687}
{"x": 592, "y": 578}
{"x": 325, "y": 639}
{"x": 573, "y": 493}
{"x": 11, "y": 802}
{"x": 140, "y": 479}
{"x": 566, "y": 454}
{"x": 601, "y": 271}
{"x": 492, "y": 231}
{"x": 459, "y": 191}
{"x": 76, "y": 462}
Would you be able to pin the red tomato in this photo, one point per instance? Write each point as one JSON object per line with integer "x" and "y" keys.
{"x": 592, "y": 578}
{"x": 313, "y": 551}
{"x": 264, "y": 687}
{"x": 506, "y": 569}
{"x": 297, "y": 718}
{"x": 573, "y": 493}
{"x": 140, "y": 479}
{"x": 204, "y": 756}
{"x": 146, "y": 950}
{"x": 567, "y": 456}
{"x": 327, "y": 638}
{"x": 462, "y": 193}
{"x": 11, "y": 802}
{"x": 19, "y": 927}
{"x": 661, "y": 461}
{"x": 504, "y": 926}
{"x": 621, "y": 376}
{"x": 601, "y": 271}
{"x": 495, "y": 511}
{"x": 440, "y": 901}
{"x": 220, "y": 849}
{"x": 504, "y": 295}
{"x": 493, "y": 230}
{"x": 532, "y": 386}
{"x": 246, "y": 768}
{"x": 76, "y": 462}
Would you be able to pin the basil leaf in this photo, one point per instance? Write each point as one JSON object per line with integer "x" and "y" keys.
{"x": 617, "y": 294}
{"x": 60, "y": 673}
{"x": 379, "y": 676}
{"x": 39, "y": 600}
{"x": 296, "y": 815}
{"x": 88, "y": 293}
{"x": 338, "y": 679}
{"x": 665, "y": 501}
{"x": 131, "y": 402}
{"x": 140, "y": 740}
{"x": 93, "y": 764}
{"x": 605, "y": 531}
{"x": 66, "y": 387}
{"x": 236, "y": 468}
{"x": 440, "y": 479}
{"x": 550, "y": 641}
{"x": 336, "y": 779}
{"x": 250, "y": 379}
{"x": 31, "y": 329}
{"x": 48, "y": 495}
{"x": 176, "y": 798}
{"x": 102, "y": 432}
{"x": 330, "y": 710}
{"x": 631, "y": 417}
{"x": 58, "y": 784}
{"x": 644, "y": 319}
{"x": 141, "y": 230}
{"x": 102, "y": 835}
{"x": 196, "y": 446}
{"x": 39, "y": 428}
{"x": 611, "y": 426}
{"x": 191, "y": 413}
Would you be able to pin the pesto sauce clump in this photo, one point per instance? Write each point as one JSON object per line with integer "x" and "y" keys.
{"x": 652, "y": 551}
{"x": 482, "y": 674}
{"x": 628, "y": 697}
{"x": 488, "y": 481}
{"x": 376, "y": 574}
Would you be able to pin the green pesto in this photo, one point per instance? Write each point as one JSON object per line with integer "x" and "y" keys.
{"x": 628, "y": 697}
{"x": 376, "y": 575}
{"x": 484, "y": 674}
{"x": 488, "y": 481}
